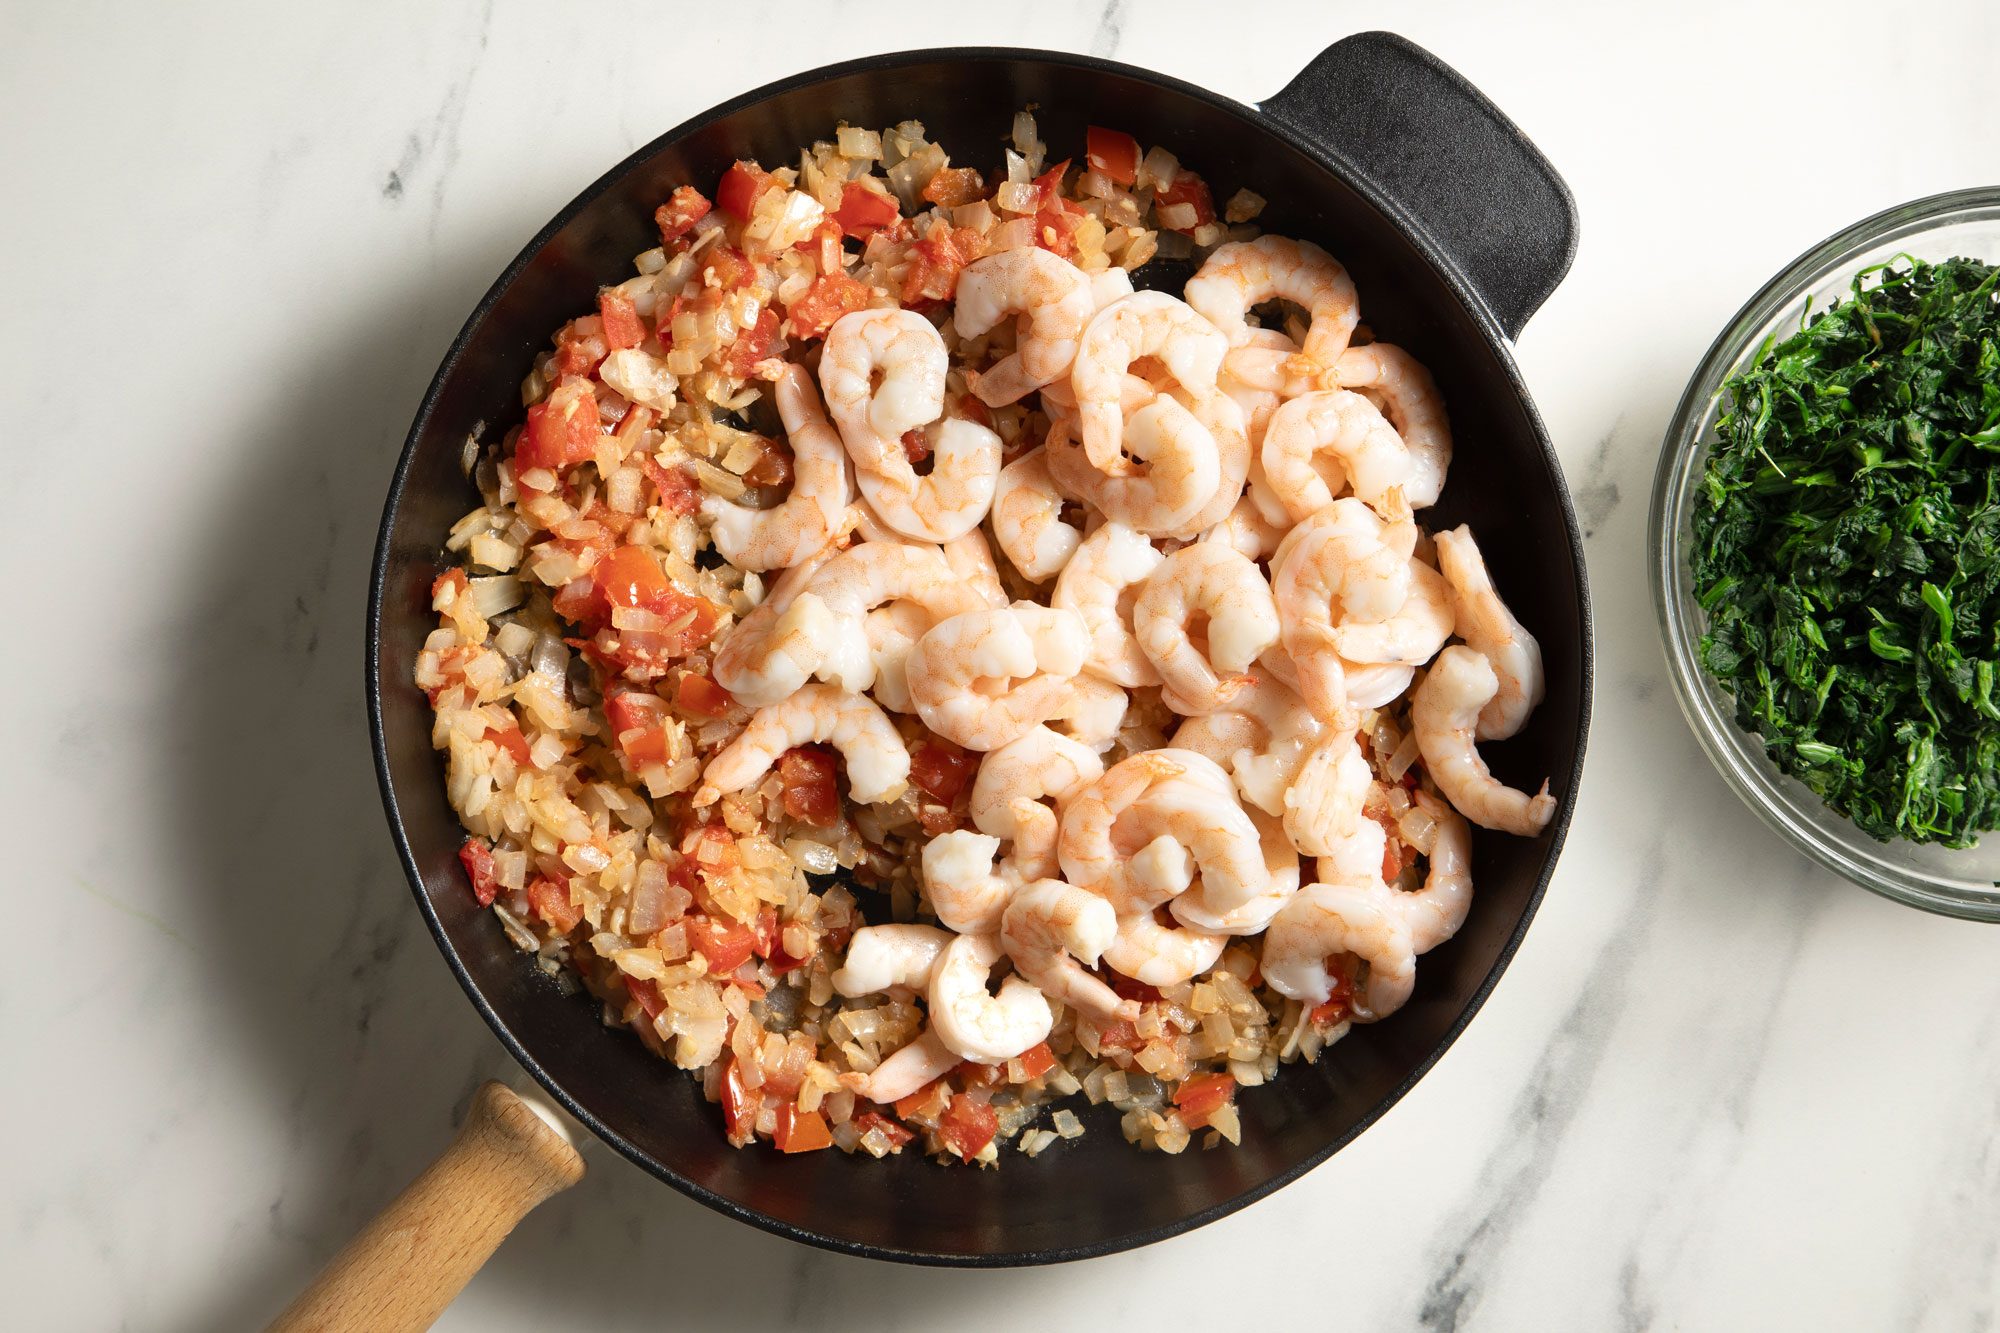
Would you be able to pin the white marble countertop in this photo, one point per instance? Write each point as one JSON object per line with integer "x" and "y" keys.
{"x": 1717, "y": 1088}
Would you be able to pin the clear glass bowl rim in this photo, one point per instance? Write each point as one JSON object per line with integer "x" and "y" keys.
{"x": 1744, "y": 767}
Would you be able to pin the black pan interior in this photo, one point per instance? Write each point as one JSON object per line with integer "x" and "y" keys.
{"x": 1098, "y": 1193}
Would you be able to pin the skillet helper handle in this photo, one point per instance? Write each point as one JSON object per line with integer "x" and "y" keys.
{"x": 406, "y": 1265}
{"x": 1436, "y": 148}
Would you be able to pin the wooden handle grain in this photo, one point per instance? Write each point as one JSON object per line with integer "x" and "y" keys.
{"x": 415, "y": 1256}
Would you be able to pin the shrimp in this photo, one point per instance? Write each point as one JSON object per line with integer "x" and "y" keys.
{"x": 923, "y": 1061}
{"x": 1014, "y": 781}
{"x": 1101, "y": 583}
{"x": 1356, "y": 857}
{"x": 1324, "y": 802}
{"x": 1410, "y": 399}
{"x": 1171, "y": 793}
{"x": 1253, "y": 375}
{"x": 1490, "y": 630}
{"x": 984, "y": 678}
{"x": 1112, "y": 284}
{"x": 909, "y": 354}
{"x": 1054, "y": 931}
{"x": 971, "y": 562}
{"x": 805, "y": 523}
{"x": 1262, "y": 736}
{"x": 1093, "y": 713}
{"x": 960, "y": 883}
{"x": 1443, "y": 713}
{"x": 775, "y": 649}
{"x": 1144, "y": 324}
{"x": 1281, "y": 864}
{"x": 835, "y": 603}
{"x": 981, "y": 1026}
{"x": 1435, "y": 912}
{"x": 879, "y": 957}
{"x": 1373, "y": 685}
{"x": 1343, "y": 559}
{"x": 1244, "y": 274}
{"x": 1188, "y": 458}
{"x": 1318, "y": 441}
{"x": 1247, "y": 531}
{"x": 1326, "y": 919}
{"x": 1211, "y": 586}
{"x": 892, "y": 630}
{"x": 1408, "y": 638}
{"x": 878, "y": 763}
{"x": 1028, "y": 514}
{"x": 1149, "y": 950}
{"x": 1053, "y": 300}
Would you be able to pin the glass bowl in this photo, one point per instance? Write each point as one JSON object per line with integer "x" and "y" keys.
{"x": 1963, "y": 883}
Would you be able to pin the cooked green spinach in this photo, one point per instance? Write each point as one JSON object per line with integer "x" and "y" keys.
{"x": 1847, "y": 551}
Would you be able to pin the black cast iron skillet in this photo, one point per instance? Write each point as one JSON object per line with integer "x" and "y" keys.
{"x": 1455, "y": 230}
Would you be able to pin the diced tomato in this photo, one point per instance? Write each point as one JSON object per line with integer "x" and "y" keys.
{"x": 824, "y": 243}
{"x": 739, "y": 1108}
{"x": 941, "y": 770}
{"x": 1038, "y": 1060}
{"x": 773, "y": 466}
{"x": 830, "y": 296}
{"x": 864, "y": 210}
{"x": 1055, "y": 230}
{"x": 910, "y": 1105}
{"x": 801, "y": 1131}
{"x": 698, "y": 696}
{"x": 1049, "y": 184}
{"x": 935, "y": 263}
{"x": 968, "y": 1126}
{"x": 764, "y": 931}
{"x": 972, "y": 1074}
{"x": 1130, "y": 989}
{"x": 1191, "y": 189}
{"x": 737, "y": 193}
{"x": 808, "y": 773}
{"x": 1339, "y": 1004}
{"x": 752, "y": 344}
{"x": 1112, "y": 153}
{"x": 711, "y": 847}
{"x": 1199, "y": 1098}
{"x": 954, "y": 186}
{"x": 972, "y": 409}
{"x": 580, "y": 346}
{"x": 561, "y": 430}
{"x": 679, "y": 492}
{"x": 726, "y": 944}
{"x": 629, "y": 576}
{"x": 1118, "y": 1034}
{"x": 916, "y": 447}
{"x": 512, "y": 741}
{"x": 729, "y": 268}
{"x": 676, "y": 218}
{"x": 549, "y": 900}
{"x": 622, "y": 325}
{"x": 1392, "y": 861}
{"x": 477, "y": 858}
{"x": 889, "y": 1129}
{"x": 629, "y": 710}
{"x": 647, "y": 993}
{"x": 453, "y": 579}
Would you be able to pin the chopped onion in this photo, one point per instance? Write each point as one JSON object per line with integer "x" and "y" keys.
{"x": 1405, "y": 755}
{"x": 550, "y": 657}
{"x": 865, "y": 145}
{"x": 491, "y": 596}
{"x": 1418, "y": 829}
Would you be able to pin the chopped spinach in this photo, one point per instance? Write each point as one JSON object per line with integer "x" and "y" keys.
{"x": 1847, "y": 551}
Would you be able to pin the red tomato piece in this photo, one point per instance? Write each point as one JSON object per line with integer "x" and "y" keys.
{"x": 729, "y": 267}
{"x": 1118, "y": 1034}
{"x": 698, "y": 696}
{"x": 908, "y": 1106}
{"x": 1038, "y": 1060}
{"x": 1130, "y": 989}
{"x": 830, "y": 296}
{"x": 864, "y": 210}
{"x": 752, "y": 344}
{"x": 801, "y": 1131}
{"x": 773, "y": 466}
{"x": 889, "y": 1129}
{"x": 1055, "y": 230}
{"x": 1049, "y": 184}
{"x": 1190, "y": 189}
{"x": 647, "y": 993}
{"x": 580, "y": 346}
{"x": 739, "y": 1107}
{"x": 1200, "y": 1098}
{"x": 737, "y": 193}
{"x": 453, "y": 579}
{"x": 629, "y": 576}
{"x": 561, "y": 430}
{"x": 968, "y": 1126}
{"x": 1339, "y": 1004}
{"x": 676, "y": 218}
{"x": 512, "y": 741}
{"x": 549, "y": 900}
{"x": 941, "y": 770}
{"x": 954, "y": 186}
{"x": 916, "y": 447}
{"x": 678, "y": 491}
{"x": 726, "y": 944}
{"x": 972, "y": 1074}
{"x": 811, "y": 793}
{"x": 477, "y": 858}
{"x": 629, "y": 710}
{"x": 622, "y": 325}
{"x": 825, "y": 241}
{"x": 935, "y": 263}
{"x": 1112, "y": 153}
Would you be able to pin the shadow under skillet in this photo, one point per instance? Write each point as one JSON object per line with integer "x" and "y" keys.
{"x": 339, "y": 1018}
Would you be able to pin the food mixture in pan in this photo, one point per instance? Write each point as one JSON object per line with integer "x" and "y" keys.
{"x": 912, "y": 679}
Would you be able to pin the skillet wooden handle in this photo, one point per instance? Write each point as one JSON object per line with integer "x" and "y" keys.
{"x": 407, "y": 1264}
